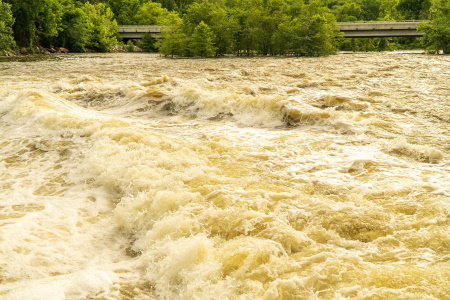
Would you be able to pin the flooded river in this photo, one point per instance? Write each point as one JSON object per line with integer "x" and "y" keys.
{"x": 132, "y": 176}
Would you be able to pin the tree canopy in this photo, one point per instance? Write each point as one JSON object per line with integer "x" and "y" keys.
{"x": 437, "y": 31}
{"x": 215, "y": 27}
{"x": 264, "y": 27}
{"x": 6, "y": 32}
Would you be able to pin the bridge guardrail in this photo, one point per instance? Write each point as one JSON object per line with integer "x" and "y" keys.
{"x": 382, "y": 22}
{"x": 395, "y": 28}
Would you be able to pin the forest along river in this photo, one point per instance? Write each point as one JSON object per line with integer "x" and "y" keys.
{"x": 132, "y": 176}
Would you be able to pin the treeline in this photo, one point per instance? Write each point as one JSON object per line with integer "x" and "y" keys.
{"x": 247, "y": 27}
{"x": 76, "y": 25}
{"x": 217, "y": 27}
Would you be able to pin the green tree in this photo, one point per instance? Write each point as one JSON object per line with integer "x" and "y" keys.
{"x": 74, "y": 33}
{"x": 148, "y": 43}
{"x": 293, "y": 8}
{"x": 321, "y": 36}
{"x": 265, "y": 22}
{"x": 253, "y": 27}
{"x": 321, "y": 30}
{"x": 243, "y": 37}
{"x": 130, "y": 46}
{"x": 174, "y": 41}
{"x": 101, "y": 27}
{"x": 371, "y": 9}
{"x": 313, "y": 33}
{"x": 437, "y": 31}
{"x": 219, "y": 21}
{"x": 414, "y": 9}
{"x": 257, "y": 23}
{"x": 125, "y": 10}
{"x": 170, "y": 5}
{"x": 183, "y": 4}
{"x": 290, "y": 37}
{"x": 201, "y": 41}
{"x": 7, "y": 42}
{"x": 348, "y": 12}
{"x": 36, "y": 21}
{"x": 154, "y": 14}
{"x": 389, "y": 11}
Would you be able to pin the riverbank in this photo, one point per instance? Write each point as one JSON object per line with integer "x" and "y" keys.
{"x": 62, "y": 50}
{"x": 36, "y": 50}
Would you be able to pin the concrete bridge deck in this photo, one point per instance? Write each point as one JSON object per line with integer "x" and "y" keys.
{"x": 349, "y": 30}
{"x": 380, "y": 29}
{"x": 138, "y": 31}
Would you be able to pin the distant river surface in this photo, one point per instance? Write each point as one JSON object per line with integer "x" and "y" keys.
{"x": 133, "y": 176}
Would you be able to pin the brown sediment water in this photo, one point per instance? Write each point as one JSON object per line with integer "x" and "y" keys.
{"x": 133, "y": 176}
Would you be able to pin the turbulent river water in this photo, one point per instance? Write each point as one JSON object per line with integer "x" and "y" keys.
{"x": 133, "y": 176}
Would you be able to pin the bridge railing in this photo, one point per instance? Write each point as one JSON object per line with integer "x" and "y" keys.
{"x": 384, "y": 22}
{"x": 139, "y": 28}
{"x": 395, "y": 28}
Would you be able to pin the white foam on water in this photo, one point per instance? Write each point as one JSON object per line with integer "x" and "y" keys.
{"x": 186, "y": 179}
{"x": 77, "y": 285}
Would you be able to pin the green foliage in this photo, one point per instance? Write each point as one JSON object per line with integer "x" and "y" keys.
{"x": 437, "y": 31}
{"x": 73, "y": 24}
{"x": 320, "y": 37}
{"x": 148, "y": 43}
{"x": 142, "y": 12}
{"x": 275, "y": 27}
{"x": 370, "y": 44}
{"x": 125, "y": 10}
{"x": 183, "y": 4}
{"x": 101, "y": 27}
{"x": 348, "y": 12}
{"x": 321, "y": 31}
{"x": 371, "y": 9}
{"x": 414, "y": 9}
{"x": 242, "y": 27}
{"x": 168, "y": 4}
{"x": 364, "y": 10}
{"x": 290, "y": 37}
{"x": 7, "y": 42}
{"x": 202, "y": 41}
{"x": 245, "y": 13}
{"x": 36, "y": 21}
{"x": 174, "y": 42}
{"x": 74, "y": 33}
{"x": 215, "y": 16}
{"x": 130, "y": 46}
{"x": 88, "y": 27}
{"x": 312, "y": 34}
{"x": 153, "y": 14}
{"x": 264, "y": 22}
{"x": 388, "y": 10}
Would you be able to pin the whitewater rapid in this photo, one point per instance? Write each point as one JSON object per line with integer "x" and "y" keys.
{"x": 133, "y": 176}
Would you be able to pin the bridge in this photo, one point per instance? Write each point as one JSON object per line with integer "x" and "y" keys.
{"x": 138, "y": 31}
{"x": 349, "y": 30}
{"x": 380, "y": 29}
